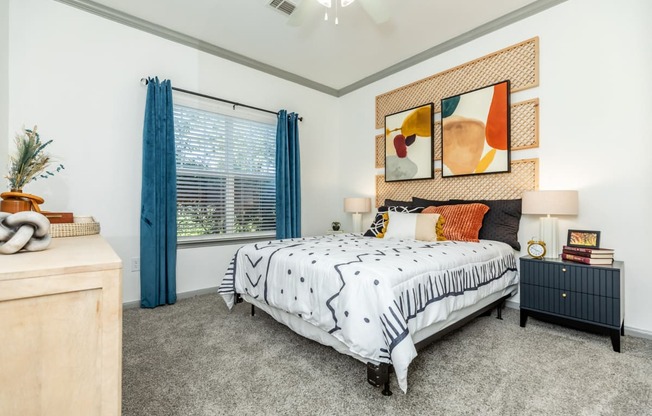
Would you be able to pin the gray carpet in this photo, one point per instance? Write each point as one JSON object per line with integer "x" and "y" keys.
{"x": 196, "y": 358}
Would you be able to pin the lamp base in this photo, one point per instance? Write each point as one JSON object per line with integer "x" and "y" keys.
{"x": 548, "y": 234}
{"x": 357, "y": 223}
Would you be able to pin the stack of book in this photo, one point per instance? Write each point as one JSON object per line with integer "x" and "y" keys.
{"x": 588, "y": 255}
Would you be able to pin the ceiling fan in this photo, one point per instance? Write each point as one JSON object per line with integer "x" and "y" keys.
{"x": 378, "y": 10}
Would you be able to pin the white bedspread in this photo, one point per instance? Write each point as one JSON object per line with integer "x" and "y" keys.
{"x": 370, "y": 293}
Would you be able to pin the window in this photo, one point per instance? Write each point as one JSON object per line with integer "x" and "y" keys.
{"x": 225, "y": 175}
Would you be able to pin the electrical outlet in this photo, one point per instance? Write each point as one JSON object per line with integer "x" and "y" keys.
{"x": 135, "y": 264}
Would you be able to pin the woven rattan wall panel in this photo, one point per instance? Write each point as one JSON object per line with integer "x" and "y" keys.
{"x": 524, "y": 131}
{"x": 437, "y": 140}
{"x": 518, "y": 63}
{"x": 523, "y": 177}
{"x": 380, "y": 151}
{"x": 525, "y": 125}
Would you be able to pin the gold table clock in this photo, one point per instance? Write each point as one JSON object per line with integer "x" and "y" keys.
{"x": 536, "y": 249}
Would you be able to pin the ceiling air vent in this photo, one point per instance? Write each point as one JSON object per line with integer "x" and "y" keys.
{"x": 283, "y": 6}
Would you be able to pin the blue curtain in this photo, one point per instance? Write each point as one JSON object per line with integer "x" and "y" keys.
{"x": 158, "y": 210}
{"x": 288, "y": 176}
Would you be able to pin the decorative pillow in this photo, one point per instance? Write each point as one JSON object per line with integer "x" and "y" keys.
{"x": 424, "y": 227}
{"x": 377, "y": 227}
{"x": 416, "y": 201}
{"x": 461, "y": 222}
{"x": 394, "y": 203}
{"x": 501, "y": 222}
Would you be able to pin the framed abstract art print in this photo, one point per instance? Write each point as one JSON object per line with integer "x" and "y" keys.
{"x": 409, "y": 144}
{"x": 475, "y": 135}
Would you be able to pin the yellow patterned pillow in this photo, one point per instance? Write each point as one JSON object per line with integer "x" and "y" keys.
{"x": 385, "y": 217}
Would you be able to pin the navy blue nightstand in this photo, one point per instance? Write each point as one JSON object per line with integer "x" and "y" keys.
{"x": 587, "y": 297}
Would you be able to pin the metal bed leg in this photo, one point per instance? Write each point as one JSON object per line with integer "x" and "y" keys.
{"x": 253, "y": 310}
{"x": 386, "y": 391}
{"x": 378, "y": 375}
{"x": 499, "y": 309}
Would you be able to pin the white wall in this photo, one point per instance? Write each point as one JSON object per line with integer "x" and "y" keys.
{"x": 77, "y": 76}
{"x": 4, "y": 86}
{"x": 595, "y": 125}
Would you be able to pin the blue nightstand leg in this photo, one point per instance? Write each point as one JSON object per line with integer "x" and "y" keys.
{"x": 615, "y": 339}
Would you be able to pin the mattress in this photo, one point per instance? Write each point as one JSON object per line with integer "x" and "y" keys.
{"x": 374, "y": 296}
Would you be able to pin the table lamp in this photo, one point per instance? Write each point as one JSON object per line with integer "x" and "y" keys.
{"x": 550, "y": 203}
{"x": 357, "y": 206}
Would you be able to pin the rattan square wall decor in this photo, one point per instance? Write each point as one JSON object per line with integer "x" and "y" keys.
{"x": 475, "y": 134}
{"x": 409, "y": 144}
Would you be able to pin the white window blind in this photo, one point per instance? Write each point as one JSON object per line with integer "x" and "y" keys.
{"x": 225, "y": 176}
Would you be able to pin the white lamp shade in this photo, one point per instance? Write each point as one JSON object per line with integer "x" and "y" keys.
{"x": 357, "y": 205}
{"x": 550, "y": 202}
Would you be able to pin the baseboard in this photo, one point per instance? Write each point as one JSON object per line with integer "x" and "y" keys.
{"x": 634, "y": 332}
{"x": 639, "y": 333}
{"x": 629, "y": 331}
{"x": 182, "y": 295}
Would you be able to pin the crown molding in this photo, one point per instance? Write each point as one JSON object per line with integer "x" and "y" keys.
{"x": 178, "y": 37}
{"x": 506, "y": 20}
{"x": 163, "y": 32}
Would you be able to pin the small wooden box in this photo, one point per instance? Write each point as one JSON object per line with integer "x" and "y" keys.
{"x": 58, "y": 217}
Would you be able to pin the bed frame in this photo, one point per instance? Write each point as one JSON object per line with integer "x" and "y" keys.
{"x": 378, "y": 374}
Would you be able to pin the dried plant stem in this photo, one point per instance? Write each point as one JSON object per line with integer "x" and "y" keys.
{"x": 30, "y": 160}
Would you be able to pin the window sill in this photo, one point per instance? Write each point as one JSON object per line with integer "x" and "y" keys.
{"x": 208, "y": 241}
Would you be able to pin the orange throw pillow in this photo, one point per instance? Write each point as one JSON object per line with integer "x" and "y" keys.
{"x": 461, "y": 222}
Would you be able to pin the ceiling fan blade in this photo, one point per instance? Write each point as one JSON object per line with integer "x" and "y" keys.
{"x": 378, "y": 10}
{"x": 304, "y": 9}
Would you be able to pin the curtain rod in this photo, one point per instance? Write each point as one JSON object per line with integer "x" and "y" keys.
{"x": 144, "y": 81}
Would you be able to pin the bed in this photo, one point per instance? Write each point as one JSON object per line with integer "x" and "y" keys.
{"x": 378, "y": 300}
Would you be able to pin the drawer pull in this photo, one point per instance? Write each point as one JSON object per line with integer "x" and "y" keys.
{"x": 563, "y": 269}
{"x": 563, "y": 295}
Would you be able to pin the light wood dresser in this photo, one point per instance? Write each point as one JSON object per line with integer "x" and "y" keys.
{"x": 61, "y": 330}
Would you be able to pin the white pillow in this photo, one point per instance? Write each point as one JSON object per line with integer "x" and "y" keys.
{"x": 424, "y": 227}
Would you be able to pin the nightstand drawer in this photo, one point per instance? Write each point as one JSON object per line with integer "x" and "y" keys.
{"x": 593, "y": 280}
{"x": 599, "y": 309}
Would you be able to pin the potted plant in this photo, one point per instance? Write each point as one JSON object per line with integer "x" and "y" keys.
{"x": 29, "y": 163}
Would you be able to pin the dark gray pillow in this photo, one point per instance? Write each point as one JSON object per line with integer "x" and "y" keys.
{"x": 395, "y": 203}
{"x": 501, "y": 222}
{"x": 427, "y": 202}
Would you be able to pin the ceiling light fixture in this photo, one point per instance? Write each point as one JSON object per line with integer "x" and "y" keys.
{"x": 329, "y": 3}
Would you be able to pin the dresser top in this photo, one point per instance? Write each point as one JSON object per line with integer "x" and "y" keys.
{"x": 64, "y": 255}
{"x": 558, "y": 260}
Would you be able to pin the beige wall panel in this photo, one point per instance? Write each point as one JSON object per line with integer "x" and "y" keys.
{"x": 523, "y": 177}
{"x": 518, "y": 63}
